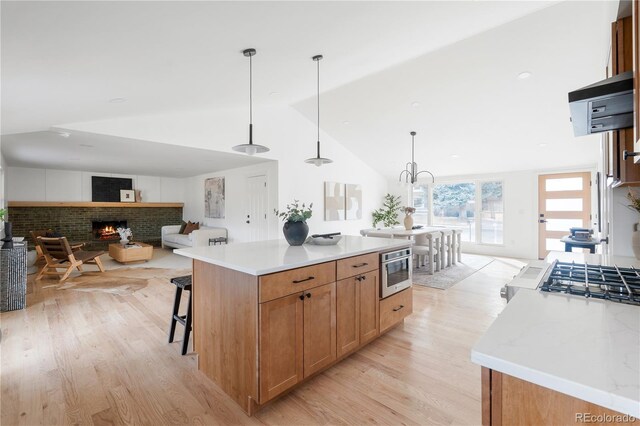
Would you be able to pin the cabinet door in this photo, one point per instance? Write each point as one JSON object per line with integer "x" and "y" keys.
{"x": 369, "y": 306}
{"x": 280, "y": 345}
{"x": 319, "y": 328}
{"x": 348, "y": 315}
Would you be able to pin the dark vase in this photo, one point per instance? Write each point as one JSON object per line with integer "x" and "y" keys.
{"x": 295, "y": 232}
{"x": 8, "y": 236}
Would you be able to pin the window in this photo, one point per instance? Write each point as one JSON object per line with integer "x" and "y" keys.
{"x": 492, "y": 213}
{"x": 475, "y": 207}
{"x": 454, "y": 205}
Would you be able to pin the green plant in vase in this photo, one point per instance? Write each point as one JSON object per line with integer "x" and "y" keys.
{"x": 295, "y": 218}
{"x": 388, "y": 214}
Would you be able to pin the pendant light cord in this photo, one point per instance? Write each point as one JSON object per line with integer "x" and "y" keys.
{"x": 318, "y": 87}
{"x": 250, "y": 89}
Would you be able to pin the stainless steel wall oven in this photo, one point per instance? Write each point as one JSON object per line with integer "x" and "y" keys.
{"x": 396, "y": 271}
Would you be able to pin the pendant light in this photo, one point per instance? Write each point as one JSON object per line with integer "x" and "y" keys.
{"x": 250, "y": 148}
{"x": 317, "y": 160}
{"x": 411, "y": 172}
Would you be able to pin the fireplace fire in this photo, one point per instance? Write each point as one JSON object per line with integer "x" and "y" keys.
{"x": 107, "y": 229}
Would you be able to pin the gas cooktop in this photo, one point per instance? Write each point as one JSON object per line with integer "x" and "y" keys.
{"x": 601, "y": 282}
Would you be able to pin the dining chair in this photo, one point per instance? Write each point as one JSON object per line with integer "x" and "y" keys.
{"x": 426, "y": 247}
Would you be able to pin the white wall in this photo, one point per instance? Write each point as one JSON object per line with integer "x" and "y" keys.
{"x": 289, "y": 135}
{"x": 520, "y": 195}
{"x": 235, "y": 201}
{"x": 28, "y": 184}
{"x": 622, "y": 221}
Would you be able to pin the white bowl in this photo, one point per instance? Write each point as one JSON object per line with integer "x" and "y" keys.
{"x": 18, "y": 239}
{"x": 320, "y": 241}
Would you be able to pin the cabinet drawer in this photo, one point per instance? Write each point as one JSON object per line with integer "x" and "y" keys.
{"x": 283, "y": 283}
{"x": 394, "y": 308}
{"x": 352, "y": 266}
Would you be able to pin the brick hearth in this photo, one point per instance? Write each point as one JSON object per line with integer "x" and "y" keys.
{"x": 75, "y": 222}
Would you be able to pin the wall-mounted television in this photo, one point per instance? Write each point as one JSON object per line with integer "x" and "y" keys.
{"x": 108, "y": 188}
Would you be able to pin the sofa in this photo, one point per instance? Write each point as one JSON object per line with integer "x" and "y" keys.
{"x": 172, "y": 238}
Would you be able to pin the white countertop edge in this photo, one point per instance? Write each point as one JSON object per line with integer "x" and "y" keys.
{"x": 280, "y": 268}
{"x": 596, "y": 396}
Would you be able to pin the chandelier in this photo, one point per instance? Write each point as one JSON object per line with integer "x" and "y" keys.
{"x": 411, "y": 172}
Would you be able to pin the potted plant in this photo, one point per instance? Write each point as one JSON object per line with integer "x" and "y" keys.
{"x": 295, "y": 217}
{"x": 8, "y": 235}
{"x": 388, "y": 214}
{"x": 408, "y": 218}
{"x": 635, "y": 237}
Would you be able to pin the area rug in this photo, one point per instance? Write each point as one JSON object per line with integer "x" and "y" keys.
{"x": 448, "y": 277}
{"x": 120, "y": 281}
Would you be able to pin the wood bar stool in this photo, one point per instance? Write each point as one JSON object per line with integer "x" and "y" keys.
{"x": 181, "y": 283}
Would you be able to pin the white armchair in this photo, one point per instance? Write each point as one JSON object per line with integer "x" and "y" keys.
{"x": 200, "y": 237}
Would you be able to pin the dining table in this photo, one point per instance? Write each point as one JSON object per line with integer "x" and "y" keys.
{"x": 453, "y": 235}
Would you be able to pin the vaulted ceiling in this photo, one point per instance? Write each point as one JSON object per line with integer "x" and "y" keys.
{"x": 69, "y": 62}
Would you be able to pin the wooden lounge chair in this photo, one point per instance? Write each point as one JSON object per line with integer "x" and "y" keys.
{"x": 43, "y": 233}
{"x": 59, "y": 255}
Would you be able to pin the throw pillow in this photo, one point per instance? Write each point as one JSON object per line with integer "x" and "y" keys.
{"x": 182, "y": 226}
{"x": 191, "y": 227}
{"x": 53, "y": 234}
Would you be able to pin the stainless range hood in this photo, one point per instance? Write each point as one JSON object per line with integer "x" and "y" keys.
{"x": 603, "y": 106}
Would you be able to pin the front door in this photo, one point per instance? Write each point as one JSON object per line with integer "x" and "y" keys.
{"x": 564, "y": 201}
{"x": 256, "y": 217}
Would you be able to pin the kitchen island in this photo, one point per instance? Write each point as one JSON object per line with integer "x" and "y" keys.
{"x": 550, "y": 358}
{"x": 268, "y": 316}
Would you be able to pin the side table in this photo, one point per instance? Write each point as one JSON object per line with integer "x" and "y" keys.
{"x": 570, "y": 243}
{"x": 218, "y": 240}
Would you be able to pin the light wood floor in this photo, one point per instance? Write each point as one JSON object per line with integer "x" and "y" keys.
{"x": 97, "y": 357}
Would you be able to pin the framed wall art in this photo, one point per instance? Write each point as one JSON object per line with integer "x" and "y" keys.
{"x": 334, "y": 201}
{"x": 214, "y": 197}
{"x": 127, "y": 196}
{"x": 353, "y": 203}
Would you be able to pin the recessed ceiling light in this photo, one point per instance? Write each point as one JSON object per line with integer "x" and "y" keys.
{"x": 62, "y": 134}
{"x": 415, "y": 104}
{"x": 85, "y": 145}
{"x": 455, "y": 156}
{"x": 542, "y": 145}
{"x": 117, "y": 100}
{"x": 346, "y": 122}
{"x": 274, "y": 93}
{"x": 524, "y": 74}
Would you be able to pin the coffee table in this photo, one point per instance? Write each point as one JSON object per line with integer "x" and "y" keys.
{"x": 125, "y": 254}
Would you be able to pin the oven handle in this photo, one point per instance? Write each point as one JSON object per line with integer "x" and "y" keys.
{"x": 397, "y": 259}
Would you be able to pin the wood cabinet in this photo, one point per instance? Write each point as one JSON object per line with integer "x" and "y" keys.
{"x": 259, "y": 336}
{"x": 507, "y": 400}
{"x": 319, "y": 328}
{"x": 395, "y": 308}
{"x": 358, "y": 311}
{"x": 281, "y": 328}
{"x": 297, "y": 338}
{"x": 623, "y": 172}
{"x": 636, "y": 74}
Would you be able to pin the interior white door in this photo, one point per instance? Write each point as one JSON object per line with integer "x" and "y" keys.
{"x": 256, "y": 217}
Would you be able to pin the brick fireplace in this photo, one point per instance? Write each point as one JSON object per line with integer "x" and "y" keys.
{"x": 76, "y": 220}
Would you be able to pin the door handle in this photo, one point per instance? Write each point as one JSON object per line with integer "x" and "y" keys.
{"x": 543, "y": 221}
{"x": 398, "y": 308}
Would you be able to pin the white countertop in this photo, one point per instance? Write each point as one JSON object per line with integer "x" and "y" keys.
{"x": 586, "y": 348}
{"x": 266, "y": 257}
